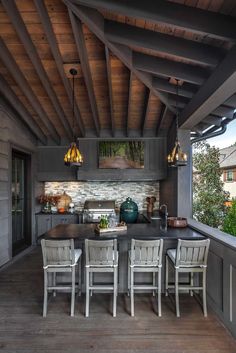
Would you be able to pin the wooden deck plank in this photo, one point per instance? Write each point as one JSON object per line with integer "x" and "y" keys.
{"x": 23, "y": 329}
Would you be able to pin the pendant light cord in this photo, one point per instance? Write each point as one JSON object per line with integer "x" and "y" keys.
{"x": 73, "y": 105}
{"x": 177, "y": 108}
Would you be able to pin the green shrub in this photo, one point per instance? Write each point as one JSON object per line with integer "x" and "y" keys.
{"x": 229, "y": 225}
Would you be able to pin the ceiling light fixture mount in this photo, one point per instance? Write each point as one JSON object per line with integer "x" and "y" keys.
{"x": 177, "y": 157}
{"x": 73, "y": 157}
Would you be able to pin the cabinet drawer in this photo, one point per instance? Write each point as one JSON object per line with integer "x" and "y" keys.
{"x": 63, "y": 219}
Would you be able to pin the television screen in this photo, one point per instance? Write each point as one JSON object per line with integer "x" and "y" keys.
{"x": 121, "y": 154}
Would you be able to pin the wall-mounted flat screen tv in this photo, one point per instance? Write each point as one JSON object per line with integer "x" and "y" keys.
{"x": 121, "y": 154}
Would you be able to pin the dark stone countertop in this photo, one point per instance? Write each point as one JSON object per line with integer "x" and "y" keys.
{"x": 153, "y": 230}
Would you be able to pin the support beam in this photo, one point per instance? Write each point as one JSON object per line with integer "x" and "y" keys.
{"x": 224, "y": 112}
{"x": 137, "y": 37}
{"x": 108, "y": 67}
{"x": 178, "y": 15}
{"x": 19, "y": 25}
{"x": 14, "y": 101}
{"x": 169, "y": 68}
{"x": 162, "y": 117}
{"x": 179, "y": 101}
{"x": 231, "y": 102}
{"x": 146, "y": 110}
{"x": 213, "y": 120}
{"x": 129, "y": 103}
{"x": 48, "y": 29}
{"x": 95, "y": 22}
{"x": 217, "y": 89}
{"x": 83, "y": 55}
{"x": 20, "y": 79}
{"x": 186, "y": 90}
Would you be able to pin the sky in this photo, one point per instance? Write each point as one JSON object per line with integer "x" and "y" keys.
{"x": 226, "y": 139}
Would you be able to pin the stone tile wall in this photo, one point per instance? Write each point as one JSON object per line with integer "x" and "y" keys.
{"x": 119, "y": 191}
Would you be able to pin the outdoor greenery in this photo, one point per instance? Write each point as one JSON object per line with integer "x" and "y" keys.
{"x": 229, "y": 225}
{"x": 208, "y": 194}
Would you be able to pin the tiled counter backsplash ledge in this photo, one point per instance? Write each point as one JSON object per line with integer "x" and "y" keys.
{"x": 119, "y": 191}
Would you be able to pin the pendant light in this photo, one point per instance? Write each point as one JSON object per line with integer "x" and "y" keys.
{"x": 73, "y": 157}
{"x": 177, "y": 157}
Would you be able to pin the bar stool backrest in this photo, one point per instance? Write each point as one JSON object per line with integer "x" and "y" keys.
{"x": 101, "y": 252}
{"x": 192, "y": 253}
{"x": 58, "y": 253}
{"x": 146, "y": 252}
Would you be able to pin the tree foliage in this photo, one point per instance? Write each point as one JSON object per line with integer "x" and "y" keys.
{"x": 208, "y": 194}
{"x": 229, "y": 225}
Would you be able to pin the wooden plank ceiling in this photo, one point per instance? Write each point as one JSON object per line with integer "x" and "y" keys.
{"x": 127, "y": 66}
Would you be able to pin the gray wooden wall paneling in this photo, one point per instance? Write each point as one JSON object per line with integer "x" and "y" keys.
{"x": 51, "y": 166}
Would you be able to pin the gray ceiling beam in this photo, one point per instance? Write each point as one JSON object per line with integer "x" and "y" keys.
{"x": 23, "y": 84}
{"x": 224, "y": 112}
{"x": 178, "y": 101}
{"x": 213, "y": 120}
{"x": 21, "y": 30}
{"x": 83, "y": 55}
{"x": 219, "y": 87}
{"x": 162, "y": 117}
{"x": 14, "y": 101}
{"x": 169, "y": 68}
{"x": 178, "y": 15}
{"x": 186, "y": 90}
{"x": 146, "y": 110}
{"x": 95, "y": 22}
{"x": 108, "y": 67}
{"x": 129, "y": 102}
{"x": 48, "y": 29}
{"x": 231, "y": 102}
{"x": 132, "y": 36}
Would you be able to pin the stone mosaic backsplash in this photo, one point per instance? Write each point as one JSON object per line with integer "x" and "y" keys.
{"x": 118, "y": 191}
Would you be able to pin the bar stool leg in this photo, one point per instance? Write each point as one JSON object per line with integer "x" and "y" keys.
{"x": 167, "y": 276}
{"x": 129, "y": 269}
{"x": 87, "y": 294}
{"x": 54, "y": 283}
{"x": 115, "y": 292}
{"x": 45, "y": 300}
{"x": 91, "y": 283}
{"x": 159, "y": 292}
{"x": 72, "y": 291}
{"x": 154, "y": 283}
{"x": 80, "y": 278}
{"x": 191, "y": 283}
{"x": 177, "y": 292}
{"x": 204, "y": 292}
{"x": 132, "y": 291}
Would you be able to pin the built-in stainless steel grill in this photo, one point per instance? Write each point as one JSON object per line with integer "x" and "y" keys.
{"x": 94, "y": 209}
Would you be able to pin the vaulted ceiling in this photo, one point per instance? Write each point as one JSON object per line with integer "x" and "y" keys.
{"x": 129, "y": 55}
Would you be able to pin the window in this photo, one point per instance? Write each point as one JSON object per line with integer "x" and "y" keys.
{"x": 229, "y": 175}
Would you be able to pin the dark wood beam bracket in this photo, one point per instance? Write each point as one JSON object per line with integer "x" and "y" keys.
{"x": 95, "y": 22}
{"x": 186, "y": 90}
{"x": 14, "y": 101}
{"x": 146, "y": 109}
{"x": 23, "y": 84}
{"x": 82, "y": 52}
{"x": 178, "y": 15}
{"x": 162, "y": 117}
{"x": 42, "y": 11}
{"x": 19, "y": 25}
{"x": 129, "y": 103}
{"x": 132, "y": 36}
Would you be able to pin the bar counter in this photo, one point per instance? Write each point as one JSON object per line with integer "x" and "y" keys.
{"x": 152, "y": 230}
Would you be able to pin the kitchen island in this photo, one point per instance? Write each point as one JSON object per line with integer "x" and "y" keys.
{"x": 153, "y": 230}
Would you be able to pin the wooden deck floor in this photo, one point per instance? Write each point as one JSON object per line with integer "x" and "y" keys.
{"x": 23, "y": 329}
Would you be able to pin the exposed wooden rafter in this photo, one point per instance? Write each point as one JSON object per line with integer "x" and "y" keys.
{"x": 129, "y": 103}
{"x": 22, "y": 32}
{"x": 95, "y": 22}
{"x": 108, "y": 67}
{"x": 168, "y": 68}
{"x": 146, "y": 109}
{"x": 186, "y": 90}
{"x": 42, "y": 11}
{"x": 83, "y": 55}
{"x": 213, "y": 120}
{"x": 162, "y": 117}
{"x": 177, "y": 15}
{"x": 217, "y": 89}
{"x": 161, "y": 42}
{"x": 20, "y": 79}
{"x": 17, "y": 106}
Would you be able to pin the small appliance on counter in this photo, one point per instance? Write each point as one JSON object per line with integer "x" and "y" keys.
{"x": 129, "y": 211}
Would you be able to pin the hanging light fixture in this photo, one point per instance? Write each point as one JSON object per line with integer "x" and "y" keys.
{"x": 73, "y": 157}
{"x": 177, "y": 157}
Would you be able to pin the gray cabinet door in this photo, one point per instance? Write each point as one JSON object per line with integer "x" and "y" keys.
{"x": 43, "y": 224}
{"x": 63, "y": 219}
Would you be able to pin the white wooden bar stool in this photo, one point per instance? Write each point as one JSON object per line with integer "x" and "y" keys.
{"x": 101, "y": 256}
{"x": 145, "y": 256}
{"x": 189, "y": 257}
{"x": 60, "y": 256}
